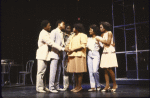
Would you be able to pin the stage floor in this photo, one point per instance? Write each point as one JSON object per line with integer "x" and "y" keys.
{"x": 122, "y": 91}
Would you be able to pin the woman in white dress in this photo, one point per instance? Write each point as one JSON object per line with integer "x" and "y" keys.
{"x": 108, "y": 59}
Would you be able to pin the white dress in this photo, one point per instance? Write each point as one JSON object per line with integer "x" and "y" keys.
{"x": 108, "y": 58}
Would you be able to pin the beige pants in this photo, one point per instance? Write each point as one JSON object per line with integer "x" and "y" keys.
{"x": 40, "y": 78}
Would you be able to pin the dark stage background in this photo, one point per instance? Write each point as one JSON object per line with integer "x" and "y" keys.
{"x": 21, "y": 19}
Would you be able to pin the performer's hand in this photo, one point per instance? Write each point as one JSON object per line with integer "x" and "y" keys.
{"x": 66, "y": 50}
{"x": 113, "y": 44}
{"x": 97, "y": 39}
{"x": 71, "y": 50}
{"x": 96, "y": 42}
{"x": 43, "y": 42}
{"x": 63, "y": 49}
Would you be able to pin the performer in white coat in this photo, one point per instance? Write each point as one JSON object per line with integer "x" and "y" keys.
{"x": 55, "y": 66}
{"x": 43, "y": 55}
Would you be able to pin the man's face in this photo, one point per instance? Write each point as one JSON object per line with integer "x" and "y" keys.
{"x": 48, "y": 27}
{"x": 68, "y": 29}
{"x": 62, "y": 25}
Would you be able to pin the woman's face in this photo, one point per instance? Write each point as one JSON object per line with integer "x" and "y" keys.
{"x": 91, "y": 31}
{"x": 74, "y": 30}
{"x": 102, "y": 29}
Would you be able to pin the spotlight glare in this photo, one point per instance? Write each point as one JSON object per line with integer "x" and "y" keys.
{"x": 143, "y": 8}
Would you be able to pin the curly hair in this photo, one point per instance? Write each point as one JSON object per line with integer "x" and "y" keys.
{"x": 67, "y": 25}
{"x": 44, "y": 23}
{"x": 79, "y": 27}
{"x": 58, "y": 22}
{"x": 95, "y": 28}
{"x": 106, "y": 25}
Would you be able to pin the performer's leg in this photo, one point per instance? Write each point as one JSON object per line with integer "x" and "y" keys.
{"x": 65, "y": 74}
{"x": 63, "y": 62}
{"x": 65, "y": 77}
{"x": 90, "y": 68}
{"x": 66, "y": 82}
{"x": 80, "y": 76}
{"x": 44, "y": 80}
{"x": 73, "y": 80}
{"x": 53, "y": 68}
{"x": 58, "y": 72}
{"x": 106, "y": 79}
{"x": 112, "y": 74}
{"x": 76, "y": 81}
{"x": 95, "y": 66}
{"x": 41, "y": 68}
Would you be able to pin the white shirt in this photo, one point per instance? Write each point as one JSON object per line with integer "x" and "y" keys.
{"x": 93, "y": 45}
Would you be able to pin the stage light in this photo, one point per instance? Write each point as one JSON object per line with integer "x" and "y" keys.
{"x": 143, "y": 8}
{"x": 78, "y": 18}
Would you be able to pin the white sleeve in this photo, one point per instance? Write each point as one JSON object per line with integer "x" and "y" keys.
{"x": 99, "y": 37}
{"x": 46, "y": 38}
{"x": 87, "y": 43}
{"x": 101, "y": 45}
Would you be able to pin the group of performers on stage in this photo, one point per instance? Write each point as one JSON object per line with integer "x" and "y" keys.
{"x": 67, "y": 51}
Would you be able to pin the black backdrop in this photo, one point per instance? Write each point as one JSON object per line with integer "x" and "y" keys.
{"x": 20, "y": 24}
